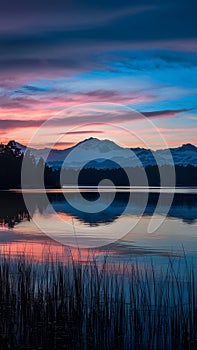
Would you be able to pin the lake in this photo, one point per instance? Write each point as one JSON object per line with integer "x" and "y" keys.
{"x": 124, "y": 225}
{"x": 89, "y": 270}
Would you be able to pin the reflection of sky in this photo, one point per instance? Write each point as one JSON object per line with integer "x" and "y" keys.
{"x": 125, "y": 221}
{"x": 172, "y": 236}
{"x": 60, "y": 55}
{"x": 125, "y": 234}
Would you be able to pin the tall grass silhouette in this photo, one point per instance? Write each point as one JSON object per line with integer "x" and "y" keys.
{"x": 91, "y": 305}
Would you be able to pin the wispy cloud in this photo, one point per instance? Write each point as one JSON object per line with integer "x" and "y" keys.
{"x": 7, "y": 124}
{"x": 100, "y": 117}
{"x": 82, "y": 132}
{"x": 166, "y": 113}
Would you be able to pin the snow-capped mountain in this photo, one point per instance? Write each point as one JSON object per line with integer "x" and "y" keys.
{"x": 103, "y": 154}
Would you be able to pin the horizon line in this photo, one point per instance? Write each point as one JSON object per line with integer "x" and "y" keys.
{"x": 84, "y": 140}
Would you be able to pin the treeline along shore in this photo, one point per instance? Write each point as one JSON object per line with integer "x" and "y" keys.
{"x": 11, "y": 160}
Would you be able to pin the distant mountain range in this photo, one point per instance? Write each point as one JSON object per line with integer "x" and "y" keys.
{"x": 105, "y": 154}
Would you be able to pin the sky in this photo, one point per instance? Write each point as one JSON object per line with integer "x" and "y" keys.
{"x": 79, "y": 63}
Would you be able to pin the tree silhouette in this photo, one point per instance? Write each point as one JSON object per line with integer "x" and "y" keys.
{"x": 13, "y": 162}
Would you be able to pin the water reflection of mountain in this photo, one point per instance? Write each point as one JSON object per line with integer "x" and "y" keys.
{"x": 184, "y": 206}
{"x": 111, "y": 213}
{"x": 13, "y": 209}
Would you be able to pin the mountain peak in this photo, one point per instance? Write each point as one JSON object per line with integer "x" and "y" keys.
{"x": 102, "y": 145}
{"x": 189, "y": 147}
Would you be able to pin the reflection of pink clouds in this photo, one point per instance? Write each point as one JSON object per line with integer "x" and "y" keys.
{"x": 48, "y": 251}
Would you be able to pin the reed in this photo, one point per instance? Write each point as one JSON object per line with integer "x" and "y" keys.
{"x": 89, "y": 305}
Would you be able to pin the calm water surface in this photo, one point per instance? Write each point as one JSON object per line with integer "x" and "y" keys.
{"x": 68, "y": 221}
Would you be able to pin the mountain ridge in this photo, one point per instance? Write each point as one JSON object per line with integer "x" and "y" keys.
{"x": 184, "y": 145}
{"x": 104, "y": 153}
